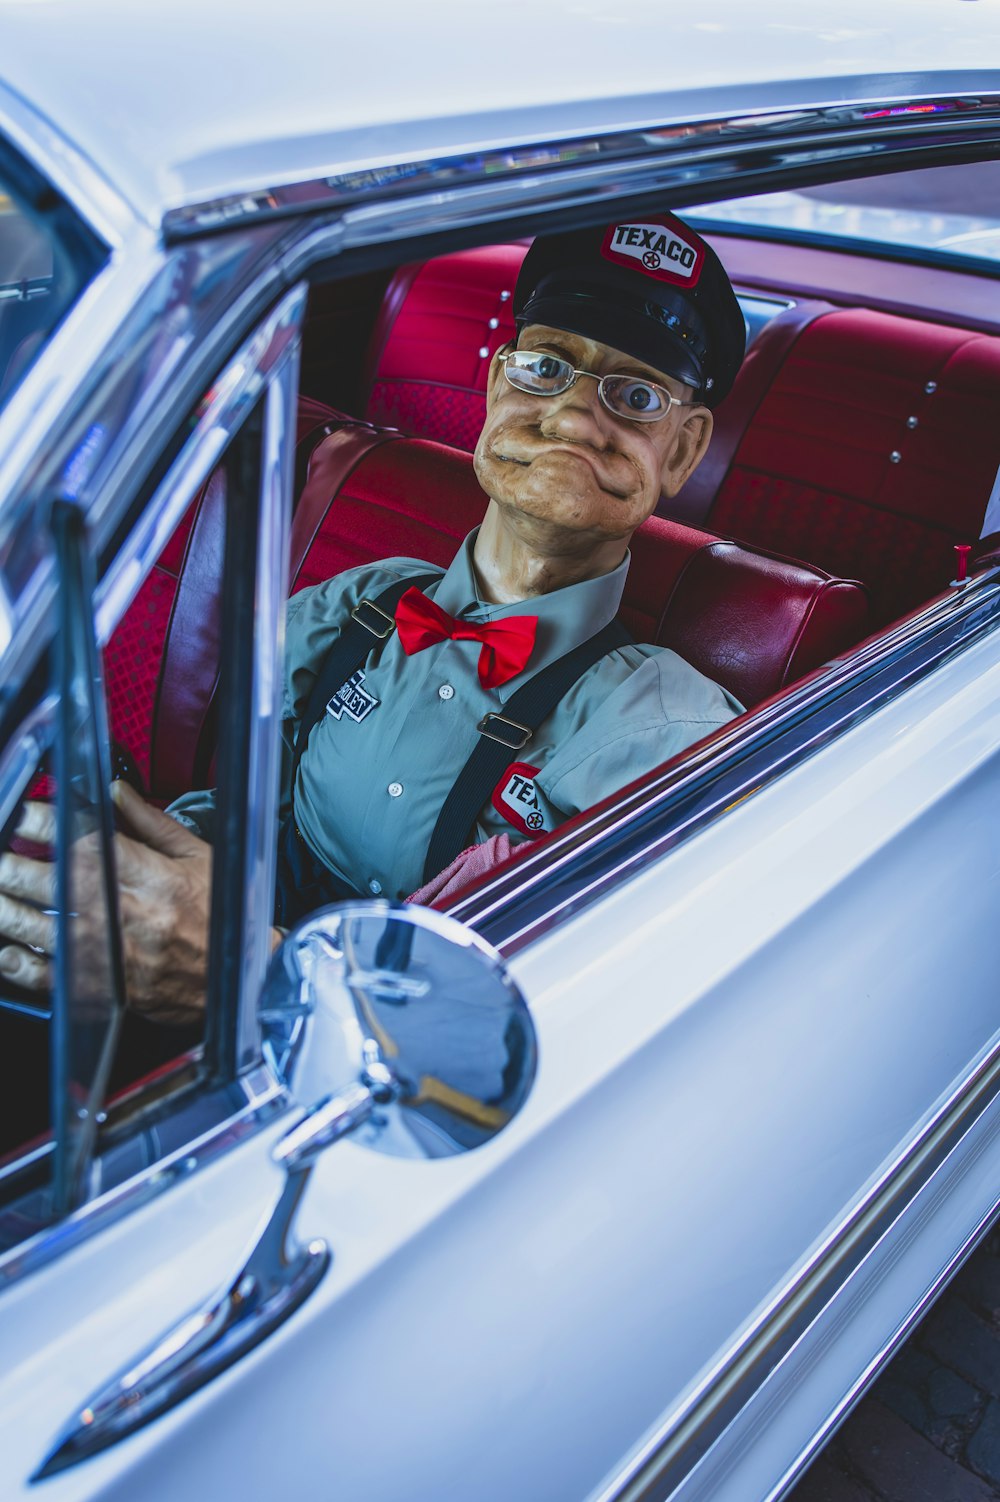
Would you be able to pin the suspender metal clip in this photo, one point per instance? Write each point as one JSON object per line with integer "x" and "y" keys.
{"x": 382, "y": 626}
{"x": 512, "y": 734}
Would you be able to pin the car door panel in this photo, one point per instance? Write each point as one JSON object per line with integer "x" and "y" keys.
{"x": 641, "y": 1165}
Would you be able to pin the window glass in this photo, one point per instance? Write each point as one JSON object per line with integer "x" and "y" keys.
{"x": 45, "y": 260}
{"x": 85, "y": 1039}
{"x": 950, "y": 211}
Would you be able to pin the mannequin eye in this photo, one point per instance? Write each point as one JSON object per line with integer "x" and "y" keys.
{"x": 539, "y": 373}
{"x": 642, "y": 401}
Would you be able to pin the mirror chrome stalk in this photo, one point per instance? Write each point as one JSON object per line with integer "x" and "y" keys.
{"x": 407, "y": 1026}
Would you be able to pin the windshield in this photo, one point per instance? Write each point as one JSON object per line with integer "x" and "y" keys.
{"x": 45, "y": 260}
{"x": 938, "y": 212}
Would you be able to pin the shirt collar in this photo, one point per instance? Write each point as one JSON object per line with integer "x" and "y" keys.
{"x": 566, "y": 617}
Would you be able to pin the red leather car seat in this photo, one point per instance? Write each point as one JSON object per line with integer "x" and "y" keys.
{"x": 430, "y": 352}
{"x": 862, "y": 441}
{"x": 161, "y": 661}
{"x": 751, "y": 620}
{"x": 873, "y": 452}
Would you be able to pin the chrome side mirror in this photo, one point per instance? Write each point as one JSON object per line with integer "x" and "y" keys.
{"x": 407, "y": 1013}
{"x": 393, "y": 1023}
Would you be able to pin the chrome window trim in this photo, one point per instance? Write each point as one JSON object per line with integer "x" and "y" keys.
{"x": 676, "y": 153}
{"x": 265, "y": 368}
{"x": 688, "y": 1432}
{"x": 260, "y": 360}
{"x": 78, "y": 179}
{"x": 599, "y": 849}
{"x": 268, "y": 682}
{"x": 70, "y": 394}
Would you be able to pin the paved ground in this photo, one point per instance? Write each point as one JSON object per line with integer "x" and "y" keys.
{"x": 929, "y": 1430}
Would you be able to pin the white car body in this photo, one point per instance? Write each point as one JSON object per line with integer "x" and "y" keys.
{"x": 764, "y": 1128}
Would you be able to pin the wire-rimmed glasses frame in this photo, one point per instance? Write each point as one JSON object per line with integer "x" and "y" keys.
{"x": 620, "y": 394}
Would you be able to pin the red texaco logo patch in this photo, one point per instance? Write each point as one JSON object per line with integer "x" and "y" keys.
{"x": 661, "y": 247}
{"x": 516, "y": 797}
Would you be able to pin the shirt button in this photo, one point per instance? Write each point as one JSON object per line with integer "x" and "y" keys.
{"x": 374, "y": 887}
{"x": 395, "y": 789}
{"x": 446, "y": 691}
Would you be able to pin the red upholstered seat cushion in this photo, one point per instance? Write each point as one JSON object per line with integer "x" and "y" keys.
{"x": 440, "y": 326}
{"x": 752, "y": 620}
{"x": 873, "y": 452}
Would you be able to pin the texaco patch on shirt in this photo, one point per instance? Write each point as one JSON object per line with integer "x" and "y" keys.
{"x": 351, "y": 699}
{"x": 516, "y": 797}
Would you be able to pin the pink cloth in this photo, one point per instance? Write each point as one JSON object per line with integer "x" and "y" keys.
{"x": 477, "y": 860}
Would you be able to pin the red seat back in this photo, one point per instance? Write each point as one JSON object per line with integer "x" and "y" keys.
{"x": 440, "y": 325}
{"x": 748, "y": 619}
{"x": 161, "y": 661}
{"x": 873, "y": 452}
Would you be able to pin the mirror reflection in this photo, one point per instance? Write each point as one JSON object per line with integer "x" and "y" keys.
{"x": 415, "y": 1007}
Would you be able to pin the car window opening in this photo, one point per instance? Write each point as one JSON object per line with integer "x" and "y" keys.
{"x": 816, "y": 518}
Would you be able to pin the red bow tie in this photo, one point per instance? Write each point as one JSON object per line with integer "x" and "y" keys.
{"x": 507, "y": 644}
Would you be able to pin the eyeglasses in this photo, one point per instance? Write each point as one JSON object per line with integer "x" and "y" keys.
{"x": 624, "y": 396}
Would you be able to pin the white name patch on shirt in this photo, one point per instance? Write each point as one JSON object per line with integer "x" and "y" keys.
{"x": 516, "y": 797}
{"x": 351, "y": 699}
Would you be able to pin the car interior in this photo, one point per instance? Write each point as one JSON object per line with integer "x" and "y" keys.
{"x": 855, "y": 454}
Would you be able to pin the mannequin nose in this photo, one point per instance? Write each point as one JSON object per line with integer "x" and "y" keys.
{"x": 577, "y": 413}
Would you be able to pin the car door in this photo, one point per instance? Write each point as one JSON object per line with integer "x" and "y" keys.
{"x": 112, "y": 1107}
{"x": 131, "y": 1203}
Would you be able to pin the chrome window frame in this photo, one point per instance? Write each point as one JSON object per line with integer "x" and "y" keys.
{"x": 262, "y": 374}
{"x": 660, "y": 155}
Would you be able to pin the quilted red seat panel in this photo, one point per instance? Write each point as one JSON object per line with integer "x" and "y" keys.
{"x": 441, "y": 324}
{"x": 132, "y": 655}
{"x": 872, "y": 453}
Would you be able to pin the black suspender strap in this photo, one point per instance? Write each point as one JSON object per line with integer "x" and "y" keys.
{"x": 371, "y": 621}
{"x": 502, "y": 737}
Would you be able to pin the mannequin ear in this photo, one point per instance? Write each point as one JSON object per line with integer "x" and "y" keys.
{"x": 687, "y": 450}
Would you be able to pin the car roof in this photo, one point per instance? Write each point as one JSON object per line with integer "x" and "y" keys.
{"x": 181, "y": 104}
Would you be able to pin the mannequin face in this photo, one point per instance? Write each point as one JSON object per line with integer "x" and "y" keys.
{"x": 568, "y": 461}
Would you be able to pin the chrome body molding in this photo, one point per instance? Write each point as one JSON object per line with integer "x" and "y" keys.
{"x": 676, "y": 154}
{"x": 600, "y": 849}
{"x": 203, "y": 1128}
{"x": 666, "y": 1464}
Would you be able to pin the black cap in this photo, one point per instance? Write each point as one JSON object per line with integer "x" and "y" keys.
{"x": 648, "y": 286}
